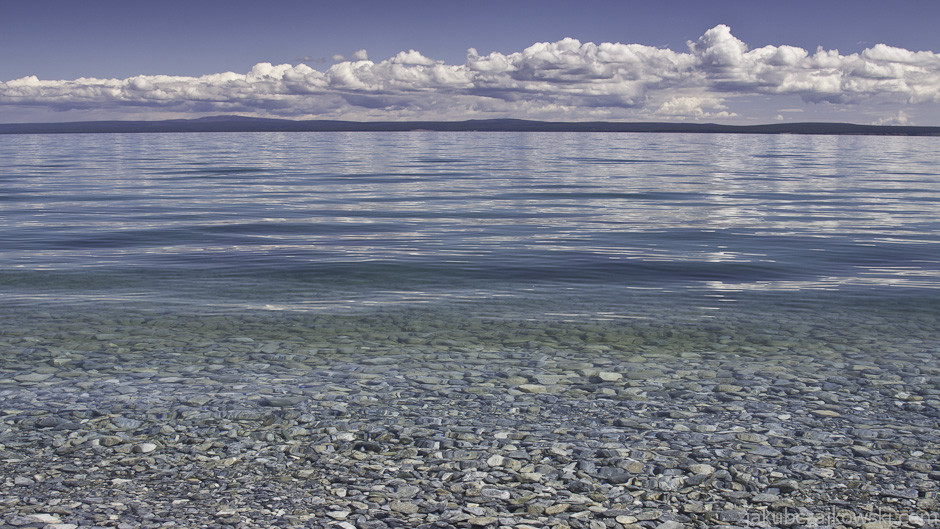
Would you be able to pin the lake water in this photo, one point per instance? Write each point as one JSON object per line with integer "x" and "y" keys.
{"x": 532, "y": 240}
{"x": 451, "y": 329}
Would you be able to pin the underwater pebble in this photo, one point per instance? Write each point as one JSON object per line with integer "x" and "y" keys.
{"x": 537, "y": 432}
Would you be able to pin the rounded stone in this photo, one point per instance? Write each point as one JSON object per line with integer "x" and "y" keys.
{"x": 532, "y": 388}
{"x": 145, "y": 448}
{"x": 700, "y": 468}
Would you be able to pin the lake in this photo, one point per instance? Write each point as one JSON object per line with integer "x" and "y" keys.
{"x": 433, "y": 329}
{"x": 542, "y": 227}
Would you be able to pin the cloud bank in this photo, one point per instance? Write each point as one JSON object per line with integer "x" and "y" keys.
{"x": 567, "y": 79}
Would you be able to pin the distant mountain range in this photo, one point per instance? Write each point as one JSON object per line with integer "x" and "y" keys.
{"x": 248, "y": 124}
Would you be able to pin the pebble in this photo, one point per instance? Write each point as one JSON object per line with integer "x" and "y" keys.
{"x": 700, "y": 468}
{"x": 532, "y": 388}
{"x": 671, "y": 524}
{"x": 495, "y": 460}
{"x": 404, "y": 507}
{"x": 786, "y": 486}
{"x": 320, "y": 427}
{"x": 764, "y": 498}
{"x": 649, "y": 515}
{"x": 145, "y": 448}
{"x": 765, "y": 451}
{"x": 44, "y": 518}
{"x": 32, "y": 377}
{"x": 482, "y": 521}
{"x": 495, "y": 494}
{"x": 280, "y": 402}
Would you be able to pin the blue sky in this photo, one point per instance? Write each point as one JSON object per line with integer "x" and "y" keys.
{"x": 66, "y": 60}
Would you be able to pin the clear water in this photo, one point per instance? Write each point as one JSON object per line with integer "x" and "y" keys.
{"x": 435, "y": 230}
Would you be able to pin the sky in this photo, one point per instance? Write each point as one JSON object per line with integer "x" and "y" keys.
{"x": 721, "y": 61}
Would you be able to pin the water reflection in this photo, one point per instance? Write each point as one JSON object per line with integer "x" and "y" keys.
{"x": 420, "y": 216}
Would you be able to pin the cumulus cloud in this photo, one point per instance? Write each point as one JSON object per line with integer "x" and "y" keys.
{"x": 900, "y": 118}
{"x": 878, "y": 73}
{"x": 694, "y": 107}
{"x": 359, "y": 55}
{"x": 567, "y": 79}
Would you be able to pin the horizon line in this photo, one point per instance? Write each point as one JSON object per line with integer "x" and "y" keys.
{"x": 237, "y": 123}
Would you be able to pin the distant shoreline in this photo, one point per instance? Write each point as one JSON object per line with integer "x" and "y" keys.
{"x": 246, "y": 124}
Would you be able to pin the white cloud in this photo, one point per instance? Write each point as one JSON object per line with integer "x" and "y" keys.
{"x": 880, "y": 73}
{"x": 691, "y": 107}
{"x": 901, "y": 118}
{"x": 358, "y": 55}
{"x": 412, "y": 58}
{"x": 566, "y": 79}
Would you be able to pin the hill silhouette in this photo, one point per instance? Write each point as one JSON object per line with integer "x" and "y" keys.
{"x": 249, "y": 124}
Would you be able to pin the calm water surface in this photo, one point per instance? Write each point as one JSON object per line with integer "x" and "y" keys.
{"x": 540, "y": 227}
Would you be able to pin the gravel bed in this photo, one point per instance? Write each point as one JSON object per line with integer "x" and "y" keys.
{"x": 213, "y": 429}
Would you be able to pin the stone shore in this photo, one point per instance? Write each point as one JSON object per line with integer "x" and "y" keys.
{"x": 223, "y": 430}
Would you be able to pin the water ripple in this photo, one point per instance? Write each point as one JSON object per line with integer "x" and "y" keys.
{"x": 301, "y": 214}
